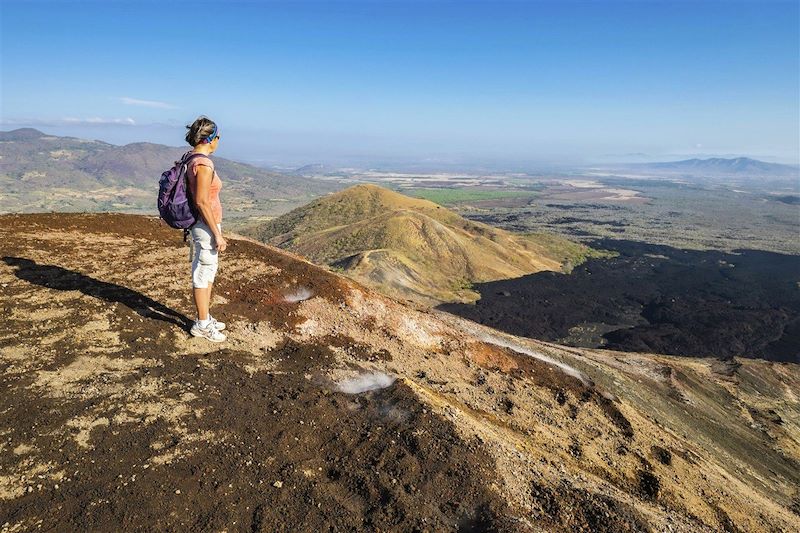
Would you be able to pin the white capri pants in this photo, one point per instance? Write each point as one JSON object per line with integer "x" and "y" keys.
{"x": 203, "y": 254}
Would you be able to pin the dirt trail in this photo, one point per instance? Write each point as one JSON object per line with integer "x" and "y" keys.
{"x": 113, "y": 418}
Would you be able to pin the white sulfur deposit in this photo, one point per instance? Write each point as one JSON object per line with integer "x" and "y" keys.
{"x": 570, "y": 371}
{"x": 298, "y": 296}
{"x": 365, "y": 382}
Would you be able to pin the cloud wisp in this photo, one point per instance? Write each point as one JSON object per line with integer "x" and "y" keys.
{"x": 100, "y": 121}
{"x": 69, "y": 121}
{"x": 155, "y": 104}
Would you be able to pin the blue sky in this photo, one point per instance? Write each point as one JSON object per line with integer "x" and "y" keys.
{"x": 506, "y": 82}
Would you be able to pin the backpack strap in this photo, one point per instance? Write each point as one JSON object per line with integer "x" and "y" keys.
{"x": 191, "y": 155}
{"x": 188, "y": 156}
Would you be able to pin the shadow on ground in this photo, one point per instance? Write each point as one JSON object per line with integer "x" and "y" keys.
{"x": 62, "y": 279}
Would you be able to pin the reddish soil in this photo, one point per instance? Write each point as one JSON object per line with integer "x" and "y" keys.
{"x": 115, "y": 419}
{"x": 375, "y": 461}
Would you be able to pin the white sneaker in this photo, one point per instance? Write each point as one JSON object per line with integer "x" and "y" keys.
{"x": 209, "y": 332}
{"x": 217, "y": 324}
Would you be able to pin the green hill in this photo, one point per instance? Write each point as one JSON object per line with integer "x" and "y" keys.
{"x": 409, "y": 247}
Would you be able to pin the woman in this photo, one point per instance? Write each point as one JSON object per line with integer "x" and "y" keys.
{"x": 207, "y": 240}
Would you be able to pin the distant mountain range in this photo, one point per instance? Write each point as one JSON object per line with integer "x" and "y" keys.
{"x": 315, "y": 169}
{"x": 40, "y": 172}
{"x": 718, "y": 166}
{"x": 409, "y": 247}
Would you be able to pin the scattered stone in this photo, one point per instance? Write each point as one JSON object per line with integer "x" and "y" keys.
{"x": 508, "y": 405}
{"x": 663, "y": 455}
{"x": 561, "y": 397}
{"x": 648, "y": 484}
{"x": 575, "y": 450}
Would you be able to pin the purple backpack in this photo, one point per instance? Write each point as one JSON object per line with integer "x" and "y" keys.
{"x": 175, "y": 205}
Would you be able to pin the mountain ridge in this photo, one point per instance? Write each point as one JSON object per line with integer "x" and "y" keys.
{"x": 43, "y": 172}
{"x": 719, "y": 165}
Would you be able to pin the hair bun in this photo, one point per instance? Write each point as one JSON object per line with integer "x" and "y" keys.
{"x": 199, "y": 130}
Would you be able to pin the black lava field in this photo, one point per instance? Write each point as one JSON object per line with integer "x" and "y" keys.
{"x": 658, "y": 299}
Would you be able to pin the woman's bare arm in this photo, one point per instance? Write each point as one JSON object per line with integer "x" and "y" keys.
{"x": 204, "y": 176}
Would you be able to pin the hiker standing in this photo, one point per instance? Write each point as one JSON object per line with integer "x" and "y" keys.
{"x": 206, "y": 235}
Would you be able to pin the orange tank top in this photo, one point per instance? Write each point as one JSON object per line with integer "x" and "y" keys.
{"x": 216, "y": 185}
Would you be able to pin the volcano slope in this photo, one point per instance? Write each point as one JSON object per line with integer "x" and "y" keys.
{"x": 113, "y": 418}
{"x": 410, "y": 248}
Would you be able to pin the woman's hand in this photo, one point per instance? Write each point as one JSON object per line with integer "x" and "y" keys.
{"x": 222, "y": 244}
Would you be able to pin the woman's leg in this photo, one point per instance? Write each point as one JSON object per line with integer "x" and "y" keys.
{"x": 202, "y": 301}
{"x": 211, "y": 283}
{"x": 204, "y": 268}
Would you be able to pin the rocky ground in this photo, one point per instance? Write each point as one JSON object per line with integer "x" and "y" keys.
{"x": 333, "y": 408}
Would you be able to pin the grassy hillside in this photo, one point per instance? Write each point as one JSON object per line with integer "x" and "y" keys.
{"x": 411, "y": 247}
{"x": 345, "y": 207}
